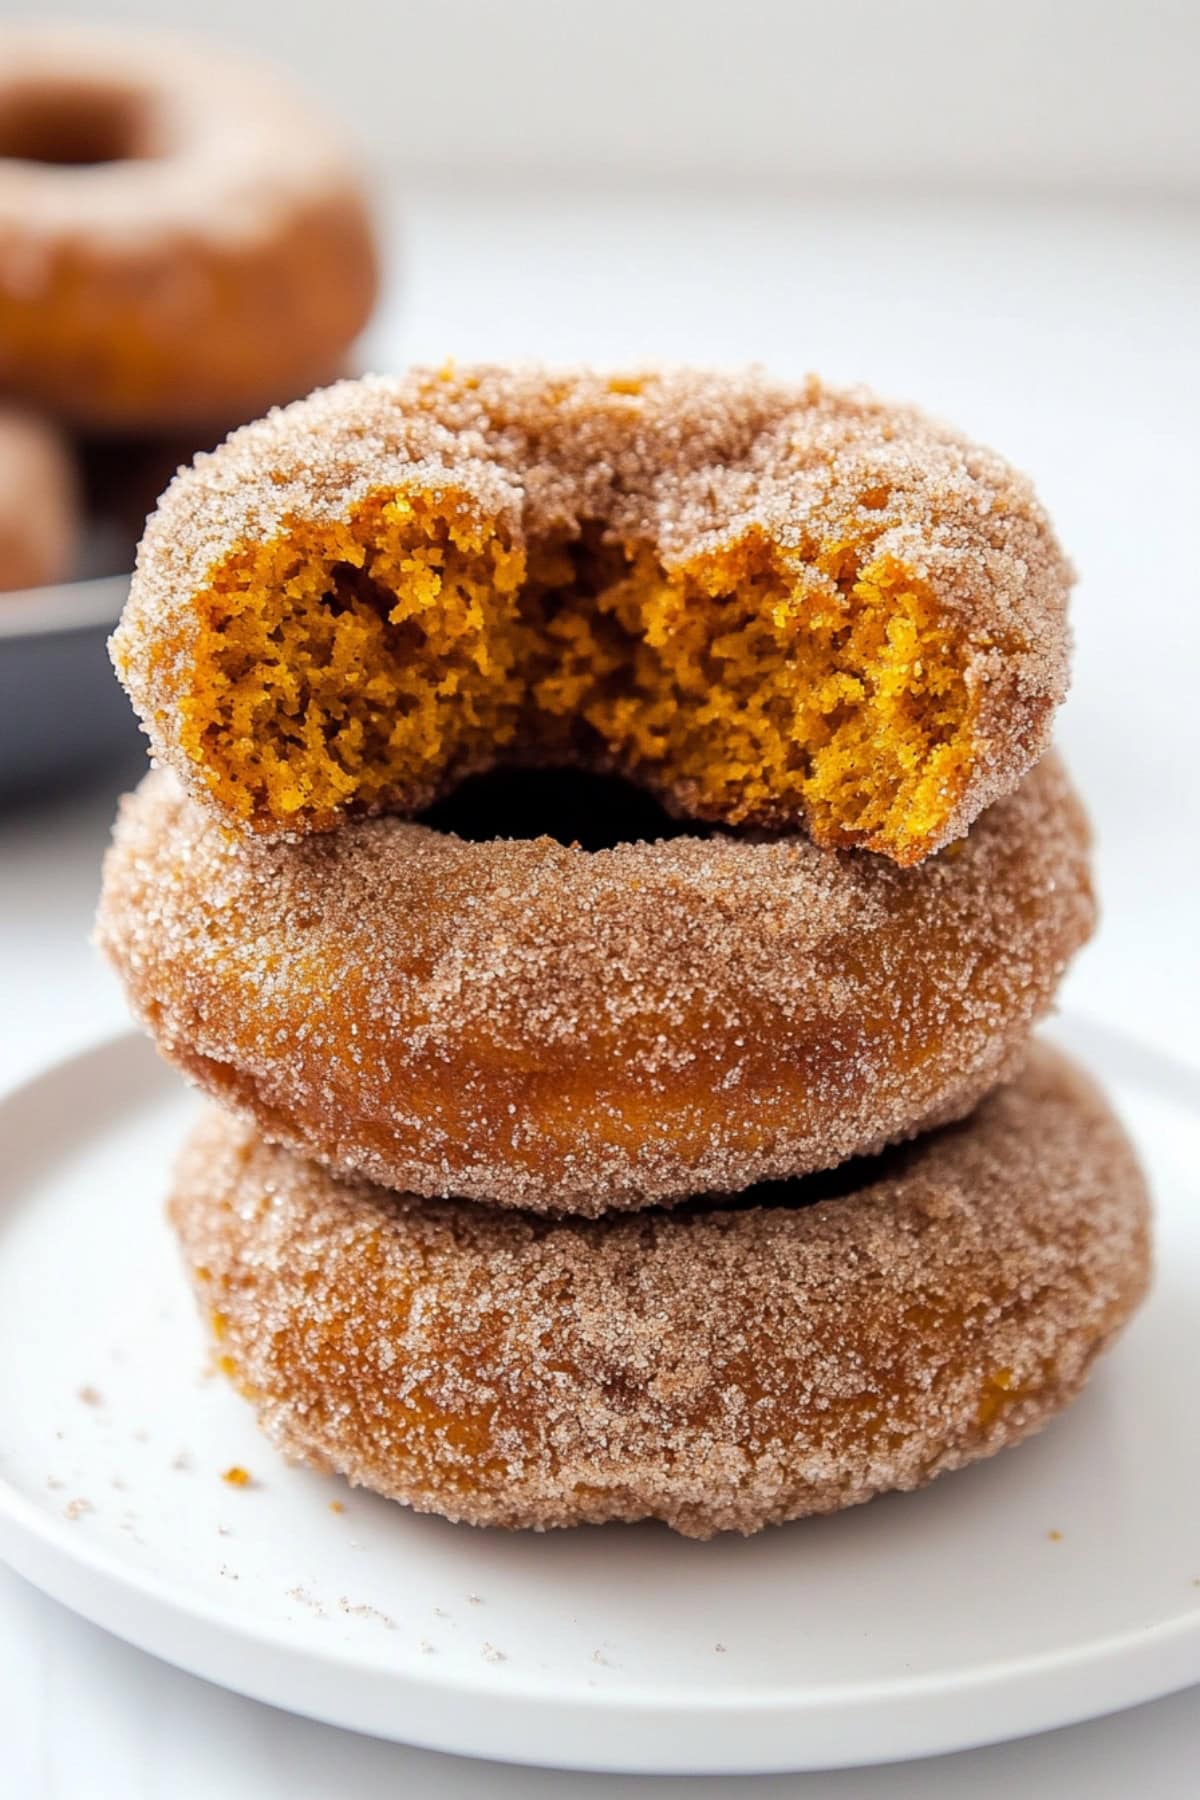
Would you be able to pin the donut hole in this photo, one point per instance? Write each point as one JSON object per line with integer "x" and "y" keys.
{"x": 374, "y": 661}
{"x": 73, "y": 127}
{"x": 575, "y": 806}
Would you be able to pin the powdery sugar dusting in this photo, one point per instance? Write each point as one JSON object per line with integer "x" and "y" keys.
{"x": 719, "y": 1369}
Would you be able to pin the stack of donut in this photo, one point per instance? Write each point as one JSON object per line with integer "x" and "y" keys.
{"x": 183, "y": 242}
{"x": 604, "y": 857}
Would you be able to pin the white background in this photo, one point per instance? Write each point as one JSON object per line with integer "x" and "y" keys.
{"x": 1097, "y": 94}
{"x": 993, "y": 211}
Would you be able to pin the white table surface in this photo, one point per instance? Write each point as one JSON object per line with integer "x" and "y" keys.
{"x": 1065, "y": 335}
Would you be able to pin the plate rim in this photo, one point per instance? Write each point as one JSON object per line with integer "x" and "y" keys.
{"x": 1142, "y": 1662}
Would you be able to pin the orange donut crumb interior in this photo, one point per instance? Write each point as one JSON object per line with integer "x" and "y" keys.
{"x": 364, "y": 662}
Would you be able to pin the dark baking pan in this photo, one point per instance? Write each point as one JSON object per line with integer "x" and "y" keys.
{"x": 62, "y": 711}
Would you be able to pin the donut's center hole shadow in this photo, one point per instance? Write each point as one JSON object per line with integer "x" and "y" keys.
{"x": 593, "y": 812}
{"x": 73, "y": 127}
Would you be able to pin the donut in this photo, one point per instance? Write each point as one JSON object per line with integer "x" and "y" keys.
{"x": 536, "y": 1025}
{"x": 39, "y": 502}
{"x": 720, "y": 1368}
{"x": 182, "y": 238}
{"x": 773, "y": 604}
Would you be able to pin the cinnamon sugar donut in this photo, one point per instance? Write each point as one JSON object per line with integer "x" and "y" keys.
{"x": 536, "y": 1025}
{"x": 772, "y": 604}
{"x": 182, "y": 238}
{"x": 721, "y": 1368}
{"x": 39, "y": 502}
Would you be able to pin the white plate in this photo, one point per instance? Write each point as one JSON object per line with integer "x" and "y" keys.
{"x": 1044, "y": 1587}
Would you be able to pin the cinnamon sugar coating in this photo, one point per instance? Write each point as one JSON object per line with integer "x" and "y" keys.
{"x": 720, "y": 1368}
{"x": 771, "y": 604}
{"x": 183, "y": 239}
{"x": 569, "y": 1031}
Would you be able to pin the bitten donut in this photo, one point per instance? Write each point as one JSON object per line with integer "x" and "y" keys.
{"x": 39, "y": 502}
{"x": 182, "y": 238}
{"x": 772, "y": 604}
{"x": 541, "y": 1026}
{"x": 721, "y": 1368}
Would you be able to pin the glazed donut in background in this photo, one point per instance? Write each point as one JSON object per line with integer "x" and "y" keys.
{"x": 540, "y": 1026}
{"x": 39, "y": 502}
{"x": 717, "y": 1368}
{"x": 182, "y": 238}
{"x": 772, "y": 604}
